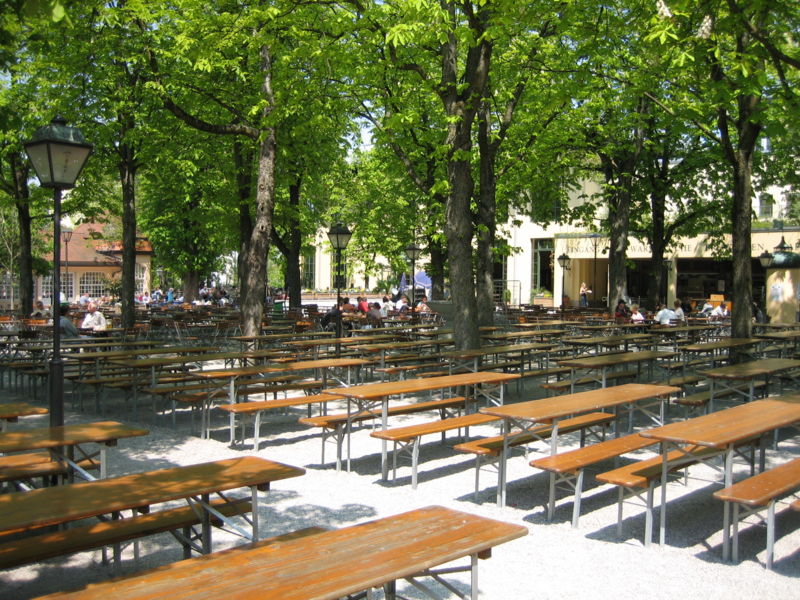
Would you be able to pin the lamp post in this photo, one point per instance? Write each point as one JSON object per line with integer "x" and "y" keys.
{"x": 564, "y": 262}
{"x": 413, "y": 252}
{"x": 339, "y": 235}
{"x": 58, "y": 153}
{"x": 66, "y": 235}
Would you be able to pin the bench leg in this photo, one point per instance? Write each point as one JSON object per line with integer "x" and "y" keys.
{"x": 770, "y": 533}
{"x": 415, "y": 461}
{"x": 576, "y": 504}
{"x": 620, "y": 498}
{"x": 256, "y": 431}
{"x": 551, "y": 499}
{"x": 477, "y": 476}
{"x": 648, "y": 519}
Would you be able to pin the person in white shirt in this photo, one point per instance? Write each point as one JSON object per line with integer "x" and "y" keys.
{"x": 678, "y": 311}
{"x": 664, "y": 315}
{"x": 636, "y": 316}
{"x": 94, "y": 319}
{"x": 720, "y": 312}
{"x": 386, "y": 307}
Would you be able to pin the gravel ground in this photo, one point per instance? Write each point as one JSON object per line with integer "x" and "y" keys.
{"x": 553, "y": 561}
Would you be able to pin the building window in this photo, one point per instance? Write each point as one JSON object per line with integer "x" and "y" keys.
{"x": 542, "y": 275}
{"x": 68, "y": 286}
{"x": 309, "y": 269}
{"x": 9, "y": 288}
{"x": 141, "y": 278}
{"x": 46, "y": 286}
{"x": 95, "y": 284}
{"x": 766, "y": 205}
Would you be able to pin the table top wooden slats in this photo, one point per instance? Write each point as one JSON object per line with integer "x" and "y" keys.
{"x": 754, "y": 368}
{"x": 14, "y": 410}
{"x": 64, "y": 503}
{"x": 724, "y": 344}
{"x": 563, "y": 406}
{"x": 722, "y": 428}
{"x": 412, "y": 386}
{"x": 303, "y": 365}
{"x": 329, "y": 565}
{"x": 103, "y": 432}
{"x": 611, "y": 360}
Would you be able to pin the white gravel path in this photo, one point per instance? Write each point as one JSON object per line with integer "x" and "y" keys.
{"x": 553, "y": 561}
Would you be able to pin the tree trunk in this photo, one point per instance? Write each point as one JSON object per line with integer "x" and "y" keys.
{"x": 255, "y": 263}
{"x": 242, "y": 159}
{"x": 438, "y": 256}
{"x": 486, "y": 223}
{"x": 191, "y": 283}
{"x": 20, "y": 172}
{"x": 461, "y": 96}
{"x": 127, "y": 174}
{"x": 741, "y": 315}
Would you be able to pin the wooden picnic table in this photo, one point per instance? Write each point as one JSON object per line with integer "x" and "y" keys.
{"x": 314, "y": 345}
{"x": 68, "y": 503}
{"x": 720, "y": 433}
{"x": 720, "y": 349}
{"x": 521, "y": 335}
{"x": 385, "y": 348}
{"x": 64, "y": 441}
{"x": 369, "y": 396}
{"x": 521, "y": 418}
{"x": 788, "y": 339}
{"x": 325, "y": 566}
{"x": 604, "y": 363}
{"x": 609, "y": 341}
{"x": 730, "y": 377}
{"x": 322, "y": 368}
{"x": 472, "y": 359}
{"x": 12, "y": 411}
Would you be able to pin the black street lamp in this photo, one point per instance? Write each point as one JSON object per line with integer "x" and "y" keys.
{"x": 563, "y": 261}
{"x": 58, "y": 153}
{"x": 413, "y": 252}
{"x": 66, "y": 235}
{"x": 339, "y": 235}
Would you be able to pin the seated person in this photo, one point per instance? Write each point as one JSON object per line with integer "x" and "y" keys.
{"x": 68, "y": 329}
{"x": 363, "y": 305}
{"x": 402, "y": 305}
{"x": 347, "y": 306}
{"x": 374, "y": 318}
{"x": 422, "y": 305}
{"x": 678, "y": 310}
{"x": 721, "y": 312}
{"x": 664, "y": 315}
{"x": 387, "y": 307}
{"x": 39, "y": 311}
{"x": 707, "y": 308}
{"x": 622, "y": 311}
{"x": 94, "y": 319}
{"x": 636, "y": 316}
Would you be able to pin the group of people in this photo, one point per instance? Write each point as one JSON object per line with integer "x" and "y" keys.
{"x": 375, "y": 312}
{"x": 665, "y": 315}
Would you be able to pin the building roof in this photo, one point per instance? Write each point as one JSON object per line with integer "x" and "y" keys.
{"x": 90, "y": 245}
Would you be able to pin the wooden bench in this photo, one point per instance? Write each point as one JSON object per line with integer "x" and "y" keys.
{"x": 337, "y": 425}
{"x": 565, "y": 385}
{"x": 20, "y": 469}
{"x": 567, "y": 468}
{"x": 432, "y": 542}
{"x": 754, "y": 494}
{"x": 407, "y": 439}
{"x": 702, "y": 398}
{"x": 642, "y": 476}
{"x": 488, "y": 450}
{"x": 255, "y": 409}
{"x": 114, "y": 532}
